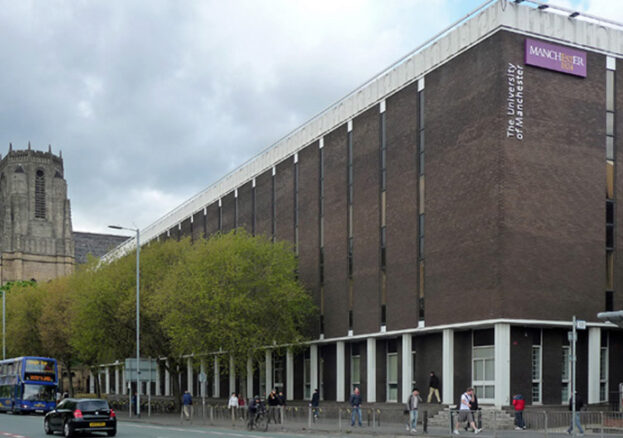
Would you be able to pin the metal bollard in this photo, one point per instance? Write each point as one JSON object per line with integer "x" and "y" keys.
{"x": 546, "y": 426}
{"x": 211, "y": 414}
{"x": 339, "y": 419}
{"x": 309, "y": 417}
{"x": 425, "y": 422}
{"x": 373, "y": 419}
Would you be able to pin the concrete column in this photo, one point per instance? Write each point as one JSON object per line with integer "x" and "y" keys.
{"x": 407, "y": 366}
{"x": 202, "y": 368}
{"x": 117, "y": 383}
{"x": 232, "y": 375}
{"x": 340, "y": 371}
{"x": 167, "y": 379}
{"x": 313, "y": 368}
{"x": 158, "y": 377}
{"x": 502, "y": 335}
{"x": 269, "y": 372}
{"x": 249, "y": 393}
{"x": 594, "y": 356}
{"x": 107, "y": 385}
{"x": 447, "y": 367}
{"x": 371, "y": 375}
{"x": 189, "y": 375}
{"x": 91, "y": 383}
{"x": 217, "y": 379}
{"x": 124, "y": 383}
{"x": 289, "y": 374}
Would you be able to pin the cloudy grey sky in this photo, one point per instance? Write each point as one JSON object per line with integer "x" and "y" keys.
{"x": 152, "y": 101}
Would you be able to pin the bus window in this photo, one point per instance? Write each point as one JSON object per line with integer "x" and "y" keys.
{"x": 39, "y": 392}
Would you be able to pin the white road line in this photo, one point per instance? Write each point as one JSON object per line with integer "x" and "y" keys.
{"x": 198, "y": 431}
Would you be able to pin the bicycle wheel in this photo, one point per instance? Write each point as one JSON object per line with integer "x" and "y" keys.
{"x": 261, "y": 423}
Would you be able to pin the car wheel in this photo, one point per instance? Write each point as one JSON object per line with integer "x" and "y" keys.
{"x": 46, "y": 427}
{"x": 67, "y": 430}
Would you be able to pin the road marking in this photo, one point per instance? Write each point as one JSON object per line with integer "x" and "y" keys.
{"x": 197, "y": 431}
{"x": 12, "y": 435}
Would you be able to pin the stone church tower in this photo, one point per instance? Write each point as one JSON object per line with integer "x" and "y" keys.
{"x": 36, "y": 240}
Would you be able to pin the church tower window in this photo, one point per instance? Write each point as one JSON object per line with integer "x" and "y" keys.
{"x": 40, "y": 195}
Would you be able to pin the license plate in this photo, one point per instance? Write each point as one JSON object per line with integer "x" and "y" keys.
{"x": 97, "y": 424}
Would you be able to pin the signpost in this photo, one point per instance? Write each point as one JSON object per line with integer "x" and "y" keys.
{"x": 147, "y": 372}
{"x": 202, "y": 379}
{"x": 573, "y": 339}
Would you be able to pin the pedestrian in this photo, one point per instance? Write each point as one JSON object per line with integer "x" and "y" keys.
{"x": 413, "y": 403}
{"x": 465, "y": 413}
{"x": 133, "y": 406}
{"x": 433, "y": 388}
{"x": 187, "y": 401}
{"x": 355, "y": 403}
{"x": 315, "y": 402}
{"x": 254, "y": 405}
{"x": 273, "y": 402}
{"x": 233, "y": 401}
{"x": 579, "y": 404}
{"x": 519, "y": 404}
{"x": 282, "y": 398}
{"x": 473, "y": 406}
{"x": 240, "y": 400}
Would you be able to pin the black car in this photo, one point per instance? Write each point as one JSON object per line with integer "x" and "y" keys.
{"x": 81, "y": 415}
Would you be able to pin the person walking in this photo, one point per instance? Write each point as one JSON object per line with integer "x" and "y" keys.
{"x": 465, "y": 413}
{"x": 315, "y": 402}
{"x": 473, "y": 406}
{"x": 519, "y": 404}
{"x": 187, "y": 402}
{"x": 413, "y": 403}
{"x": 579, "y": 404}
{"x": 355, "y": 403}
{"x": 433, "y": 388}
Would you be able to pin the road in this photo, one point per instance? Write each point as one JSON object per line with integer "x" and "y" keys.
{"x": 31, "y": 426}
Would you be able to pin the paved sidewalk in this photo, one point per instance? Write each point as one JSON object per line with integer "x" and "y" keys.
{"x": 331, "y": 429}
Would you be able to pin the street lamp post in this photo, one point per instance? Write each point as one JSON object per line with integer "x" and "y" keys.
{"x": 138, "y": 314}
{"x": 3, "y": 324}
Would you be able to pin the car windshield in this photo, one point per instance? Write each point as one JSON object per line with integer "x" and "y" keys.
{"x": 39, "y": 392}
{"x": 93, "y": 405}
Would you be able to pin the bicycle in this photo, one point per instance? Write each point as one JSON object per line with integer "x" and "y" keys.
{"x": 259, "y": 421}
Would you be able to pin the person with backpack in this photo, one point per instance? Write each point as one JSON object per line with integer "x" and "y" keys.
{"x": 465, "y": 413}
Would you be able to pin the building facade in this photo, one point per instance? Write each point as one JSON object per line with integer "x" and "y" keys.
{"x": 453, "y": 214}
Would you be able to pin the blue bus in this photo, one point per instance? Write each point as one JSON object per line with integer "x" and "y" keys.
{"x": 28, "y": 384}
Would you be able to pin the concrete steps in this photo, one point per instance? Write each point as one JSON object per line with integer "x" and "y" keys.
{"x": 489, "y": 417}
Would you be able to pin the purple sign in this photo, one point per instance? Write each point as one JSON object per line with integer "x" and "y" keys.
{"x": 557, "y": 58}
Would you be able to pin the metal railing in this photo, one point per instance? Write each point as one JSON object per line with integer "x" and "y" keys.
{"x": 393, "y": 420}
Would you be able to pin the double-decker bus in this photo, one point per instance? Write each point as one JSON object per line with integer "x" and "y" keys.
{"x": 28, "y": 384}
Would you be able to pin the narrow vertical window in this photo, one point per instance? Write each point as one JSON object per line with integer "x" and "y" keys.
{"x": 421, "y": 212}
{"x": 273, "y": 203}
{"x": 253, "y": 207}
{"x": 296, "y": 203}
{"x": 321, "y": 230}
{"x": 235, "y": 208}
{"x": 40, "y": 194}
{"x": 610, "y": 181}
{"x": 349, "y": 220}
{"x": 382, "y": 213}
{"x": 220, "y": 215}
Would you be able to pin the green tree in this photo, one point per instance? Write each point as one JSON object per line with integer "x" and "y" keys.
{"x": 54, "y": 325}
{"x": 234, "y": 292}
{"x": 23, "y": 311}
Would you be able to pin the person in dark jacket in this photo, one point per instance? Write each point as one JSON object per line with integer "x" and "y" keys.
{"x": 187, "y": 401}
{"x": 579, "y": 404}
{"x": 315, "y": 402}
{"x": 433, "y": 388}
{"x": 273, "y": 403}
{"x": 355, "y": 404}
{"x": 519, "y": 404}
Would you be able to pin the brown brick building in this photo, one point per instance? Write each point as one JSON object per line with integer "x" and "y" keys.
{"x": 453, "y": 214}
